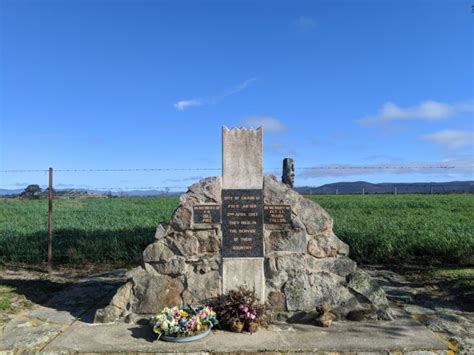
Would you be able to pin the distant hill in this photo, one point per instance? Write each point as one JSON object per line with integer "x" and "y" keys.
{"x": 342, "y": 188}
{"x": 6, "y": 192}
{"x": 74, "y": 193}
{"x": 357, "y": 187}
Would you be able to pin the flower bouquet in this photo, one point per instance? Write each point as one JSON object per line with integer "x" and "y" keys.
{"x": 184, "y": 324}
{"x": 240, "y": 310}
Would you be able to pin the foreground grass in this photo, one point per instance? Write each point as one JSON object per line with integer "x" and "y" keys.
{"x": 11, "y": 302}
{"x": 384, "y": 229}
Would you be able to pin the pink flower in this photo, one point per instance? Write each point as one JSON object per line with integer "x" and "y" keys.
{"x": 243, "y": 308}
{"x": 191, "y": 323}
{"x": 175, "y": 313}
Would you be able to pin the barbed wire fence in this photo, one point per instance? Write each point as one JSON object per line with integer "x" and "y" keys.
{"x": 164, "y": 212}
{"x": 305, "y": 172}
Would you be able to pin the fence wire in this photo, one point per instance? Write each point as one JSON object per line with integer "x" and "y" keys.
{"x": 320, "y": 167}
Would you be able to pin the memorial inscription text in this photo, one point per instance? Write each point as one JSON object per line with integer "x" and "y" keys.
{"x": 277, "y": 214}
{"x": 242, "y": 223}
{"x": 207, "y": 213}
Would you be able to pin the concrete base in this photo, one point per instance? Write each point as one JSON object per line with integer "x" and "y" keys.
{"x": 400, "y": 336}
{"x": 246, "y": 272}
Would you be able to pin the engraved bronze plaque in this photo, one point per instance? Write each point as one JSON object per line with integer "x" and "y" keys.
{"x": 242, "y": 223}
{"x": 206, "y": 213}
{"x": 277, "y": 214}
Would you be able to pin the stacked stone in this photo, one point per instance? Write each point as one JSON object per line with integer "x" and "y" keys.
{"x": 306, "y": 265}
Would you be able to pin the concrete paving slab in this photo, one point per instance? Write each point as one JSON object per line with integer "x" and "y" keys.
{"x": 404, "y": 335}
{"x": 29, "y": 335}
{"x": 51, "y": 315}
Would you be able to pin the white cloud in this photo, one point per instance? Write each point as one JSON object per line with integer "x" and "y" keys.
{"x": 269, "y": 124}
{"x": 185, "y": 179}
{"x": 200, "y": 101}
{"x": 426, "y": 110}
{"x": 184, "y": 104}
{"x": 451, "y": 139}
{"x": 304, "y": 23}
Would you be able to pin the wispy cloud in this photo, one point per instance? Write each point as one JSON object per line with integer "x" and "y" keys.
{"x": 461, "y": 167}
{"x": 427, "y": 110}
{"x": 269, "y": 124}
{"x": 304, "y": 23}
{"x": 451, "y": 139}
{"x": 210, "y": 100}
{"x": 184, "y": 104}
{"x": 185, "y": 179}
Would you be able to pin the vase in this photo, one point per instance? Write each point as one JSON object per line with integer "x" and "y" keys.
{"x": 173, "y": 339}
{"x": 252, "y": 327}
{"x": 236, "y": 326}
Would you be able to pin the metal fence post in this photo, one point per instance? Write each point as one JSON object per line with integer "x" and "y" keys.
{"x": 50, "y": 221}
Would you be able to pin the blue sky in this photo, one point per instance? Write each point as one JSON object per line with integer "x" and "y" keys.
{"x": 148, "y": 84}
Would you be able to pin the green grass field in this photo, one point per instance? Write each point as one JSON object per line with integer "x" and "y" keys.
{"x": 99, "y": 230}
{"x": 396, "y": 229}
{"x": 386, "y": 229}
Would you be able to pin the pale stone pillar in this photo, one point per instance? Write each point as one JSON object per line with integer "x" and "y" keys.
{"x": 242, "y": 170}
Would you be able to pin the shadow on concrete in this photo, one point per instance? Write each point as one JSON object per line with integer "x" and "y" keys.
{"x": 143, "y": 332}
{"x": 80, "y": 299}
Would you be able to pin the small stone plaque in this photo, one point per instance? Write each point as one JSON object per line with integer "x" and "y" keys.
{"x": 242, "y": 223}
{"x": 277, "y": 214}
{"x": 206, "y": 213}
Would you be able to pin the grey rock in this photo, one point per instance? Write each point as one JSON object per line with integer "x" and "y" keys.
{"x": 186, "y": 244}
{"x": 286, "y": 240}
{"x": 154, "y": 292}
{"x": 339, "y": 265}
{"x": 205, "y": 265}
{"x": 209, "y": 240}
{"x": 174, "y": 266}
{"x": 316, "y": 220}
{"x": 156, "y": 252}
{"x": 122, "y": 298}
{"x": 161, "y": 232}
{"x": 328, "y": 288}
{"x": 181, "y": 220}
{"x": 207, "y": 190}
{"x": 327, "y": 246}
{"x": 289, "y": 262}
{"x": 108, "y": 314}
{"x": 362, "y": 283}
{"x": 298, "y": 293}
{"x": 201, "y": 287}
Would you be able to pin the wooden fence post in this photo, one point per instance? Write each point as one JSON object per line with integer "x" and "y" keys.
{"x": 50, "y": 221}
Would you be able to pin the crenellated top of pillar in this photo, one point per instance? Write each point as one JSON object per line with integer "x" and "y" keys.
{"x": 242, "y": 158}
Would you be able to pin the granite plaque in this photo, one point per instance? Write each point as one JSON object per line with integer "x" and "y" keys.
{"x": 242, "y": 223}
{"x": 277, "y": 214}
{"x": 206, "y": 213}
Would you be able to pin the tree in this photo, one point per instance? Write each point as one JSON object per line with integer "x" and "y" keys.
{"x": 31, "y": 191}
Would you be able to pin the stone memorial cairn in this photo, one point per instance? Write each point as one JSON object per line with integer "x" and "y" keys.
{"x": 246, "y": 229}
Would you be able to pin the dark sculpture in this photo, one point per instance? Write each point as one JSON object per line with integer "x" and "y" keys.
{"x": 288, "y": 176}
